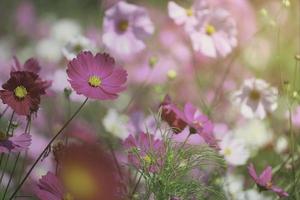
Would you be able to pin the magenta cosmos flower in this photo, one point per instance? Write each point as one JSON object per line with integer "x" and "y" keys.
{"x": 125, "y": 27}
{"x": 96, "y": 77}
{"x": 145, "y": 151}
{"x": 14, "y": 143}
{"x": 200, "y": 124}
{"x": 50, "y": 187}
{"x": 215, "y": 35}
{"x": 22, "y": 92}
{"x": 264, "y": 180}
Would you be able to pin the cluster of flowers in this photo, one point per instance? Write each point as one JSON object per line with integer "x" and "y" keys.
{"x": 160, "y": 157}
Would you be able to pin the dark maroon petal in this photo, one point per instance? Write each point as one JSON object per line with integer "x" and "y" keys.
{"x": 32, "y": 65}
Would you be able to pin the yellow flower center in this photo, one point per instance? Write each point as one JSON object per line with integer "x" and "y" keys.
{"x": 172, "y": 74}
{"x": 148, "y": 159}
{"x": 94, "y": 81}
{"x": 2, "y": 136}
{"x": 123, "y": 25}
{"x": 80, "y": 182}
{"x": 269, "y": 185}
{"x": 227, "y": 152}
{"x": 210, "y": 29}
{"x": 68, "y": 196}
{"x": 189, "y": 12}
{"x": 20, "y": 92}
{"x": 254, "y": 95}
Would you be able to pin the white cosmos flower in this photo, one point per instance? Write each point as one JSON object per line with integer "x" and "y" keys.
{"x": 256, "y": 98}
{"x": 75, "y": 45}
{"x": 65, "y": 29}
{"x": 234, "y": 150}
{"x": 49, "y": 50}
{"x": 255, "y": 133}
{"x": 116, "y": 124}
{"x": 252, "y": 194}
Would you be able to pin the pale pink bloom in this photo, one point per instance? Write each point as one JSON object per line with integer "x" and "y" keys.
{"x": 240, "y": 9}
{"x": 256, "y": 98}
{"x": 296, "y": 117}
{"x": 215, "y": 34}
{"x": 187, "y": 16}
{"x": 125, "y": 27}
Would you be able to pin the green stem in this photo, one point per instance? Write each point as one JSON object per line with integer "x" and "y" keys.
{"x": 11, "y": 175}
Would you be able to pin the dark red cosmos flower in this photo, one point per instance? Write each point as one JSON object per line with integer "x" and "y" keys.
{"x": 31, "y": 65}
{"x": 22, "y": 92}
{"x": 172, "y": 115}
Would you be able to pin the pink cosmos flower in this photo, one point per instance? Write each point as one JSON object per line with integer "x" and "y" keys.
{"x": 200, "y": 124}
{"x": 187, "y": 16}
{"x": 96, "y": 77}
{"x": 50, "y": 187}
{"x": 25, "y": 18}
{"x": 145, "y": 151}
{"x": 215, "y": 34}
{"x": 14, "y": 143}
{"x": 125, "y": 27}
{"x": 264, "y": 180}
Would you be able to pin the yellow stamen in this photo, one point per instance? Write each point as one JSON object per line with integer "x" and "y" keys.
{"x": 189, "y": 12}
{"x": 254, "y": 95}
{"x": 269, "y": 185}
{"x": 68, "y": 196}
{"x": 210, "y": 29}
{"x": 123, "y": 25}
{"x": 172, "y": 74}
{"x": 227, "y": 152}
{"x": 80, "y": 182}
{"x": 95, "y": 81}
{"x": 20, "y": 92}
{"x": 148, "y": 160}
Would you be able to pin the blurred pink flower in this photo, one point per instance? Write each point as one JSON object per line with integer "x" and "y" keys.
{"x": 296, "y": 117}
{"x": 145, "y": 151}
{"x": 240, "y": 9}
{"x": 15, "y": 143}
{"x": 125, "y": 27}
{"x": 50, "y": 187}
{"x": 264, "y": 180}
{"x": 187, "y": 16}
{"x": 215, "y": 34}
{"x": 26, "y": 18}
{"x": 200, "y": 124}
{"x": 96, "y": 77}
